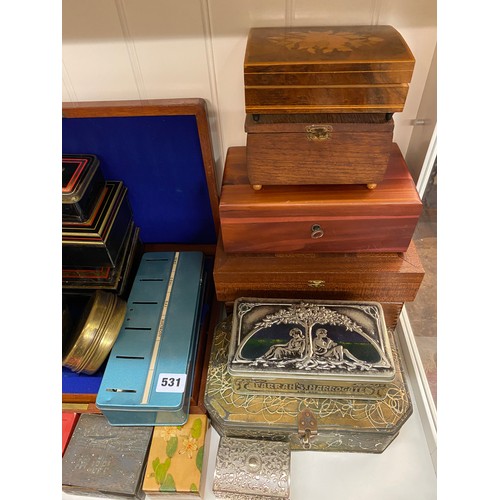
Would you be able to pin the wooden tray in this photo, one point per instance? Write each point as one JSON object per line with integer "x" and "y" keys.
{"x": 169, "y": 140}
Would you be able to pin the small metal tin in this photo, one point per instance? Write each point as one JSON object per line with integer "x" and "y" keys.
{"x": 86, "y": 350}
{"x": 105, "y": 461}
{"x": 82, "y": 184}
{"x": 149, "y": 373}
{"x": 252, "y": 469}
{"x": 175, "y": 459}
{"x": 309, "y": 343}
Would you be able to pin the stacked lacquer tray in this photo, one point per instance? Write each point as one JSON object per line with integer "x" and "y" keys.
{"x": 316, "y": 258}
{"x": 99, "y": 236}
{"x": 99, "y": 242}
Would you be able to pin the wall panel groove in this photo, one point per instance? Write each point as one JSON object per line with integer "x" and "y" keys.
{"x": 128, "y": 49}
{"x": 214, "y": 111}
{"x": 68, "y": 85}
{"x": 132, "y": 53}
{"x": 375, "y": 12}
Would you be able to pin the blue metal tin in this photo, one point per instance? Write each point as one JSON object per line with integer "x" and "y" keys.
{"x": 148, "y": 377}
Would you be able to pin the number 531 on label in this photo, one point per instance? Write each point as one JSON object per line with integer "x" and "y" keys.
{"x": 171, "y": 382}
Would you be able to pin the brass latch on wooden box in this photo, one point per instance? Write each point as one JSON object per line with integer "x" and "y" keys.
{"x": 319, "y": 132}
{"x": 308, "y": 427}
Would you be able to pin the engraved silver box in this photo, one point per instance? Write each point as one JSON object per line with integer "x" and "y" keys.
{"x": 105, "y": 461}
{"x": 247, "y": 469}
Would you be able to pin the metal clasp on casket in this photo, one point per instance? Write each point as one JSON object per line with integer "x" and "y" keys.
{"x": 308, "y": 427}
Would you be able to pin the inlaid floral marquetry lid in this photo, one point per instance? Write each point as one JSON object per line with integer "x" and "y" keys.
{"x": 309, "y": 340}
{"x": 330, "y": 45}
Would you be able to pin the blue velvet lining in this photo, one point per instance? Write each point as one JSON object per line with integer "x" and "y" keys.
{"x": 160, "y": 162}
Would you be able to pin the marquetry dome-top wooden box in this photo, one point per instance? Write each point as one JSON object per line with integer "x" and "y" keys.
{"x": 327, "y": 69}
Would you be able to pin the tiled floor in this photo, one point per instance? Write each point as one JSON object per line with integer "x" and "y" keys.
{"x": 422, "y": 312}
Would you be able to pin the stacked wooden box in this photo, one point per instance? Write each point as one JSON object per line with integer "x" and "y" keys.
{"x": 317, "y": 211}
{"x": 320, "y": 202}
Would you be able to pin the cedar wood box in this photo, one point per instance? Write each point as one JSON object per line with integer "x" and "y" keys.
{"x": 341, "y": 218}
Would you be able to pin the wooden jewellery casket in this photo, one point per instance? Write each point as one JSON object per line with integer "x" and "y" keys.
{"x": 323, "y": 148}
{"x": 161, "y": 150}
{"x": 305, "y": 395}
{"x": 330, "y": 69}
{"x": 341, "y": 218}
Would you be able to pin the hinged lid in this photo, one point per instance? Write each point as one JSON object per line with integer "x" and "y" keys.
{"x": 302, "y": 123}
{"x": 325, "y": 69}
{"x": 326, "y": 49}
{"x": 395, "y": 195}
{"x": 310, "y": 340}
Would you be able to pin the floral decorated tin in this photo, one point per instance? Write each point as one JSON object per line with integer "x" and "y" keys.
{"x": 175, "y": 459}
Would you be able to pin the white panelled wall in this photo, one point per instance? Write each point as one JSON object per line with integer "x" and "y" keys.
{"x": 154, "y": 49}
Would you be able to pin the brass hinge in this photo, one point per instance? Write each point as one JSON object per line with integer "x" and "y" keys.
{"x": 307, "y": 426}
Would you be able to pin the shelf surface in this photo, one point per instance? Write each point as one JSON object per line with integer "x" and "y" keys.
{"x": 405, "y": 470}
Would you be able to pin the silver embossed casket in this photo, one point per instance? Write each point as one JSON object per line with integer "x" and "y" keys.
{"x": 322, "y": 375}
{"x": 251, "y": 469}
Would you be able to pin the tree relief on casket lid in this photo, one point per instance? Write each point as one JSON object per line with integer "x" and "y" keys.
{"x": 313, "y": 339}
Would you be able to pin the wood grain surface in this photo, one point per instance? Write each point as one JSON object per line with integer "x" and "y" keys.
{"x": 333, "y": 99}
{"x": 351, "y": 217}
{"x": 380, "y": 277}
{"x": 341, "y": 69}
{"x": 318, "y": 149}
